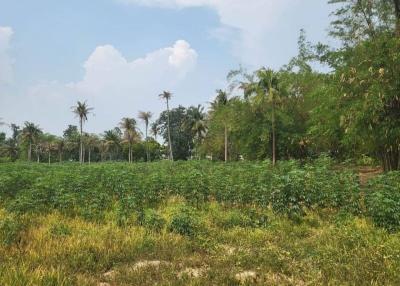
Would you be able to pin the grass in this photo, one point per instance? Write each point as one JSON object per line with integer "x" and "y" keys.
{"x": 178, "y": 241}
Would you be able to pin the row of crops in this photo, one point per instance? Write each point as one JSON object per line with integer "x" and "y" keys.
{"x": 290, "y": 189}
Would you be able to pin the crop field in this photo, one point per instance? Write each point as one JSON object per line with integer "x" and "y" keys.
{"x": 197, "y": 223}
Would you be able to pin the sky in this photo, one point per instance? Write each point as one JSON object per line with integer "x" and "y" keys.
{"x": 118, "y": 55}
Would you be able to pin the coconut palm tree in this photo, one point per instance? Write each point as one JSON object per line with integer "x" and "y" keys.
{"x": 145, "y": 117}
{"x": 91, "y": 140}
{"x": 266, "y": 90}
{"x": 60, "y": 146}
{"x": 166, "y": 95}
{"x": 154, "y": 130}
{"x": 82, "y": 111}
{"x": 113, "y": 140}
{"x": 30, "y": 134}
{"x": 196, "y": 123}
{"x": 220, "y": 102}
{"x": 128, "y": 125}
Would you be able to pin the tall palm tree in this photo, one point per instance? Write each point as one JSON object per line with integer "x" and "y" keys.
{"x": 82, "y": 111}
{"x": 145, "y": 117}
{"x": 30, "y": 134}
{"x": 129, "y": 127}
{"x": 166, "y": 95}
{"x": 221, "y": 101}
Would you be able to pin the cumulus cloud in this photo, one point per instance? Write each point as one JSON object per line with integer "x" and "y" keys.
{"x": 244, "y": 23}
{"x": 116, "y": 86}
{"x": 6, "y": 62}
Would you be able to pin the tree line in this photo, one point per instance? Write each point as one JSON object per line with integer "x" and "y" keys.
{"x": 350, "y": 111}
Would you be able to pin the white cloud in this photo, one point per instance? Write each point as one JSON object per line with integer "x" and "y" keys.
{"x": 113, "y": 85}
{"x": 6, "y": 62}
{"x": 244, "y": 23}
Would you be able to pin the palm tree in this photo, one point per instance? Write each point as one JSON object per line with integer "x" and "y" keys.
{"x": 221, "y": 101}
{"x": 113, "y": 140}
{"x": 130, "y": 134}
{"x": 30, "y": 134}
{"x": 196, "y": 123}
{"x": 60, "y": 146}
{"x": 103, "y": 149}
{"x": 91, "y": 140}
{"x": 82, "y": 111}
{"x": 154, "y": 129}
{"x": 146, "y": 116}
{"x": 166, "y": 95}
{"x": 48, "y": 144}
{"x": 266, "y": 89}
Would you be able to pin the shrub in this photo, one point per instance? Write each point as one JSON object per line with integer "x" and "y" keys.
{"x": 185, "y": 222}
{"x": 383, "y": 201}
{"x": 153, "y": 220}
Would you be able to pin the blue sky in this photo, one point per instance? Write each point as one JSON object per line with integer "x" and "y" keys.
{"x": 119, "y": 54}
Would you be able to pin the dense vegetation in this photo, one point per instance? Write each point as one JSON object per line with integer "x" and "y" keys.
{"x": 350, "y": 111}
{"x": 295, "y": 223}
{"x": 287, "y": 207}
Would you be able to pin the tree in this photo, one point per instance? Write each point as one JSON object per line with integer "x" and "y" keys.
{"x": 195, "y": 122}
{"x": 82, "y": 111}
{"x": 60, "y": 146}
{"x": 130, "y": 134}
{"x": 30, "y": 134}
{"x": 145, "y": 117}
{"x": 155, "y": 129}
{"x": 113, "y": 140}
{"x": 220, "y": 104}
{"x": 91, "y": 140}
{"x": 166, "y": 95}
{"x": 181, "y": 135}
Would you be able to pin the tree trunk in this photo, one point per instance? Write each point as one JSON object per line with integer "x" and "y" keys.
{"x": 171, "y": 156}
{"x": 30, "y": 152}
{"x": 397, "y": 12}
{"x": 81, "y": 143}
{"x": 273, "y": 136}
{"x": 89, "y": 155}
{"x": 60, "y": 157}
{"x": 49, "y": 157}
{"x": 147, "y": 144}
{"x": 226, "y": 143}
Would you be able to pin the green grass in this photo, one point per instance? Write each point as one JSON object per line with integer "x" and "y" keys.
{"x": 81, "y": 225}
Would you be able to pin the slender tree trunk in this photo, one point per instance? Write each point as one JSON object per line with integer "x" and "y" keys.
{"x": 130, "y": 153}
{"x": 397, "y": 12}
{"x": 89, "y": 155}
{"x": 30, "y": 152}
{"x": 60, "y": 157}
{"x": 49, "y": 157}
{"x": 147, "y": 143}
{"x": 273, "y": 135}
{"x": 81, "y": 143}
{"x": 37, "y": 155}
{"x": 226, "y": 143}
{"x": 171, "y": 156}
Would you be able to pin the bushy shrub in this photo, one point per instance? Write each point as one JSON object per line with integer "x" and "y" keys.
{"x": 152, "y": 220}
{"x": 383, "y": 201}
{"x": 185, "y": 221}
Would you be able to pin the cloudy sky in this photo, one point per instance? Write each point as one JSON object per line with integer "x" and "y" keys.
{"x": 120, "y": 54}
